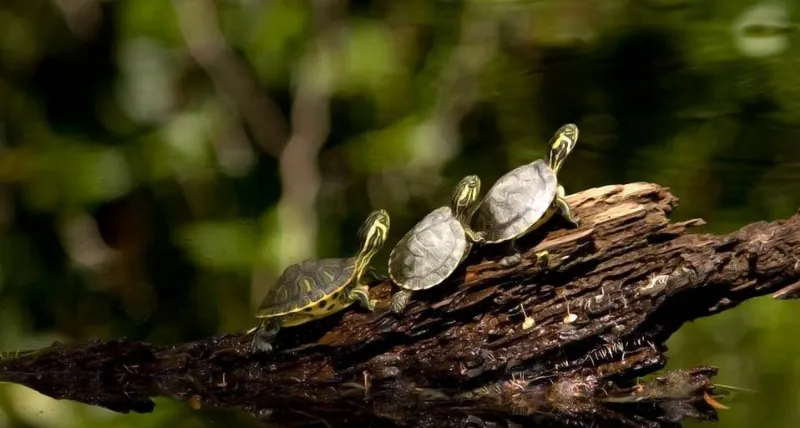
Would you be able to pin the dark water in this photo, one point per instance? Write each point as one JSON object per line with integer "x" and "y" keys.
{"x": 141, "y": 192}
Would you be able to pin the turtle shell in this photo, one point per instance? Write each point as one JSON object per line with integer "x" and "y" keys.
{"x": 314, "y": 286}
{"x": 516, "y": 201}
{"x": 429, "y": 252}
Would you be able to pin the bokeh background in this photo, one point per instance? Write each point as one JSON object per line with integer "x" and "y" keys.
{"x": 162, "y": 161}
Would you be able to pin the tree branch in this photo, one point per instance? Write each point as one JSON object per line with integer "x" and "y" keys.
{"x": 299, "y": 172}
{"x": 611, "y": 294}
{"x": 197, "y": 20}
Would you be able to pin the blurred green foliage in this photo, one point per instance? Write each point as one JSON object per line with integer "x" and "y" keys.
{"x": 138, "y": 197}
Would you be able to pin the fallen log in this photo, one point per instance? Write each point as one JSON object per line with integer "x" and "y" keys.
{"x": 564, "y": 341}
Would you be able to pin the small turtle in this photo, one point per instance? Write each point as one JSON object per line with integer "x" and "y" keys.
{"x": 526, "y": 197}
{"x": 432, "y": 250}
{"x": 314, "y": 289}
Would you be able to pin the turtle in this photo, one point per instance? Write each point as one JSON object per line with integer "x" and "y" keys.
{"x": 316, "y": 288}
{"x": 429, "y": 253}
{"x": 526, "y": 197}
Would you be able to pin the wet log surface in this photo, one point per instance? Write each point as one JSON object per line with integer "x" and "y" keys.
{"x": 596, "y": 316}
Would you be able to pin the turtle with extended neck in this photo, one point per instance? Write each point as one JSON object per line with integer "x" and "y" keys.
{"x": 526, "y": 197}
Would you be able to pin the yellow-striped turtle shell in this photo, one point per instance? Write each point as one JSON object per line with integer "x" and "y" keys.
{"x": 310, "y": 289}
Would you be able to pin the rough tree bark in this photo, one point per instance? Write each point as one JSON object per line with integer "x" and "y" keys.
{"x": 595, "y": 319}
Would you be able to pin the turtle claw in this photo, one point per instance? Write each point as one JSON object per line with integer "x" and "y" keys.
{"x": 263, "y": 335}
{"x": 262, "y": 348}
{"x": 260, "y": 344}
{"x": 360, "y": 294}
{"x": 400, "y": 301}
{"x": 513, "y": 257}
{"x": 564, "y": 208}
{"x": 511, "y": 260}
{"x": 542, "y": 259}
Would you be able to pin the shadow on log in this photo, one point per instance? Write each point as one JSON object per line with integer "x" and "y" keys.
{"x": 561, "y": 345}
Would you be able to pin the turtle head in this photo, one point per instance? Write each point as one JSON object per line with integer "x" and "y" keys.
{"x": 561, "y": 145}
{"x": 465, "y": 196}
{"x": 371, "y": 236}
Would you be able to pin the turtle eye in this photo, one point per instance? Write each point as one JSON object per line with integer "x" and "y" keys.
{"x": 475, "y": 186}
{"x": 570, "y": 131}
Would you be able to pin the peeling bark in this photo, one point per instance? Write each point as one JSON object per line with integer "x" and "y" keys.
{"x": 464, "y": 353}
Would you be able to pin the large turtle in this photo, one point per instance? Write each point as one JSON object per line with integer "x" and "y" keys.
{"x": 432, "y": 249}
{"x": 526, "y": 197}
{"x": 317, "y": 288}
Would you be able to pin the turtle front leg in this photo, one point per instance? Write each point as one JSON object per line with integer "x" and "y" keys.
{"x": 474, "y": 236}
{"x": 514, "y": 257}
{"x": 372, "y": 277}
{"x": 564, "y": 207}
{"x": 542, "y": 257}
{"x": 263, "y": 336}
{"x": 360, "y": 293}
{"x": 400, "y": 300}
